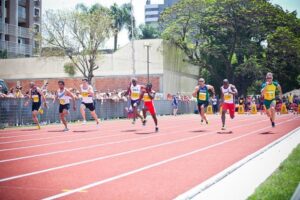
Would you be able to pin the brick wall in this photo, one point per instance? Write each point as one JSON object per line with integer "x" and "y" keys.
{"x": 102, "y": 83}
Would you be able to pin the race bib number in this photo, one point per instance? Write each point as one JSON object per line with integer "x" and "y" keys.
{"x": 270, "y": 95}
{"x": 35, "y": 98}
{"x": 135, "y": 95}
{"x": 84, "y": 94}
{"x": 62, "y": 101}
{"x": 202, "y": 96}
{"x": 228, "y": 97}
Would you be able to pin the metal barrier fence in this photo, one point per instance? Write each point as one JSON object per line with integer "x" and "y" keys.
{"x": 14, "y": 113}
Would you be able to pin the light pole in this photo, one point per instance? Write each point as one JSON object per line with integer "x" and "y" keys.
{"x": 148, "y": 45}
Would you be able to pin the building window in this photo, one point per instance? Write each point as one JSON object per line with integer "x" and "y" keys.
{"x": 22, "y": 12}
{"x": 36, "y": 12}
{"x": 36, "y": 28}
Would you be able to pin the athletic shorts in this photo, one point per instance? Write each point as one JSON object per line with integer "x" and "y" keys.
{"x": 230, "y": 107}
{"x": 36, "y": 106}
{"x": 202, "y": 103}
{"x": 63, "y": 107}
{"x": 269, "y": 103}
{"x": 135, "y": 102}
{"x": 149, "y": 105}
{"x": 90, "y": 106}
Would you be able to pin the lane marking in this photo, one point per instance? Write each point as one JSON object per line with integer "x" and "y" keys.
{"x": 101, "y": 182}
{"x": 68, "y": 190}
{"x": 98, "y": 145}
{"x": 107, "y": 156}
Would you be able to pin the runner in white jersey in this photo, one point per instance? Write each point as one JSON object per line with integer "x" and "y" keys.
{"x": 64, "y": 95}
{"x": 135, "y": 93}
{"x": 228, "y": 93}
{"x": 87, "y": 93}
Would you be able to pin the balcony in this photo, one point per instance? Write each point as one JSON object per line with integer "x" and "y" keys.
{"x": 15, "y": 48}
{"x": 15, "y": 30}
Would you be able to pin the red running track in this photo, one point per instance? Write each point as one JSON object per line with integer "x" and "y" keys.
{"x": 119, "y": 160}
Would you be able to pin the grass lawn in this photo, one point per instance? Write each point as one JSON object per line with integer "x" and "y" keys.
{"x": 283, "y": 182}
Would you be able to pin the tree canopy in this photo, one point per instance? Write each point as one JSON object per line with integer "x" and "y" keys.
{"x": 238, "y": 40}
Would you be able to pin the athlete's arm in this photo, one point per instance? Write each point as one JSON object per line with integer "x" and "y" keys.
{"x": 233, "y": 90}
{"x": 43, "y": 96}
{"x": 280, "y": 91}
{"x": 195, "y": 91}
{"x": 68, "y": 93}
{"x": 91, "y": 91}
{"x": 151, "y": 94}
{"x": 222, "y": 96}
{"x": 212, "y": 89}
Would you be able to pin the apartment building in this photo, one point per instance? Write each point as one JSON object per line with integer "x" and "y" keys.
{"x": 153, "y": 11}
{"x": 19, "y": 21}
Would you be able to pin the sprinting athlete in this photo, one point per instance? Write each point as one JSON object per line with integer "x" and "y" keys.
{"x": 63, "y": 95}
{"x": 202, "y": 95}
{"x": 87, "y": 93}
{"x": 228, "y": 93}
{"x": 148, "y": 95}
{"x": 268, "y": 92}
{"x": 35, "y": 95}
{"x": 135, "y": 91}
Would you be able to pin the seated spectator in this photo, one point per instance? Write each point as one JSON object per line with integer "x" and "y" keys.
{"x": 11, "y": 93}
{"x": 2, "y": 95}
{"x": 18, "y": 93}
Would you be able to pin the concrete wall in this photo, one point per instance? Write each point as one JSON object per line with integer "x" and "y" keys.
{"x": 179, "y": 75}
{"x": 118, "y": 63}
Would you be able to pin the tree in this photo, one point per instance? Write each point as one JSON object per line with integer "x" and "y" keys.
{"x": 229, "y": 38}
{"x": 121, "y": 16}
{"x": 80, "y": 34}
{"x": 148, "y": 32}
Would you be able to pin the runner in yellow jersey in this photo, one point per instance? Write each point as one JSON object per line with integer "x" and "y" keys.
{"x": 268, "y": 91}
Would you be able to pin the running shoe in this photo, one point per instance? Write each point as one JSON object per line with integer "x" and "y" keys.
{"x": 156, "y": 129}
{"x": 144, "y": 122}
{"x": 201, "y": 121}
{"x": 38, "y": 127}
{"x": 207, "y": 122}
{"x": 83, "y": 122}
{"x": 273, "y": 124}
{"x": 223, "y": 128}
{"x": 66, "y": 129}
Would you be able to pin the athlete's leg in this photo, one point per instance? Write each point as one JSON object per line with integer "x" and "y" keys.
{"x": 35, "y": 118}
{"x": 62, "y": 117}
{"x": 82, "y": 111}
{"x": 203, "y": 113}
{"x": 94, "y": 115}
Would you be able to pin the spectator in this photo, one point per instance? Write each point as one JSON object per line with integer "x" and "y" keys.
{"x": 175, "y": 102}
{"x": 11, "y": 93}
{"x": 214, "y": 102}
{"x": 2, "y": 95}
{"x": 290, "y": 98}
{"x": 18, "y": 93}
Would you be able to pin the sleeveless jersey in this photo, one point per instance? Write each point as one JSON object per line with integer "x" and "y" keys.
{"x": 62, "y": 97}
{"x": 85, "y": 95}
{"x": 146, "y": 97}
{"x": 35, "y": 95}
{"x": 135, "y": 92}
{"x": 202, "y": 94}
{"x": 228, "y": 98}
{"x": 270, "y": 90}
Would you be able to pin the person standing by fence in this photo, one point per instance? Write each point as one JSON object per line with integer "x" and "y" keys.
{"x": 63, "y": 95}
{"x": 175, "y": 102}
{"x": 214, "y": 102}
{"x": 35, "y": 95}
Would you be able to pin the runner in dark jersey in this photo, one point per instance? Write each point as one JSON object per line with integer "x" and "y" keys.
{"x": 35, "y": 95}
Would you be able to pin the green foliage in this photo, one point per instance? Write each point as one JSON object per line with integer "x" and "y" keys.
{"x": 298, "y": 80}
{"x": 283, "y": 182}
{"x": 3, "y": 54}
{"x": 148, "y": 32}
{"x": 238, "y": 40}
{"x": 121, "y": 16}
{"x": 70, "y": 68}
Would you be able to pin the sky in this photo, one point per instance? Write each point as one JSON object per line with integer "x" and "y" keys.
{"x": 138, "y": 5}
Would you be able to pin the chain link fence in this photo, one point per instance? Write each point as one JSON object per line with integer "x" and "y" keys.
{"x": 14, "y": 113}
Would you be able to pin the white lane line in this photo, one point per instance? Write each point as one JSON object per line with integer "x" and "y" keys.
{"x": 97, "y": 183}
{"x": 85, "y": 139}
{"x": 109, "y": 156}
{"x": 98, "y": 145}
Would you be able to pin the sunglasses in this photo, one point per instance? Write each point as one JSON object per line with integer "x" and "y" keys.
{"x": 269, "y": 78}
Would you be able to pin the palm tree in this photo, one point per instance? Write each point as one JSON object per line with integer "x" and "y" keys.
{"x": 122, "y": 18}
